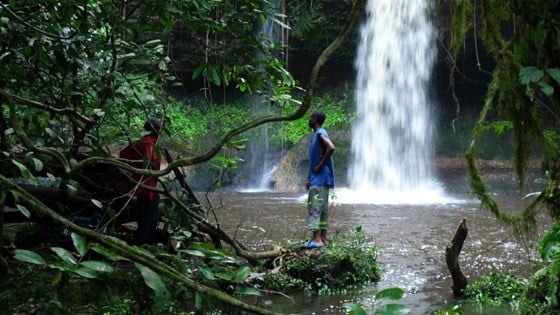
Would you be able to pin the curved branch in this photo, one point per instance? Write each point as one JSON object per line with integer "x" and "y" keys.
{"x": 60, "y": 111}
{"x": 28, "y": 144}
{"x": 38, "y": 30}
{"x": 122, "y": 248}
{"x": 475, "y": 179}
{"x": 306, "y": 104}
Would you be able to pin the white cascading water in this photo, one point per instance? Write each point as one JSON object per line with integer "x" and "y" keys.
{"x": 392, "y": 135}
{"x": 262, "y": 158}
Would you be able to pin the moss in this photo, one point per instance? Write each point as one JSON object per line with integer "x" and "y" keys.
{"x": 344, "y": 264}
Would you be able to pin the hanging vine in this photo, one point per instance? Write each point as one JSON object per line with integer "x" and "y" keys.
{"x": 524, "y": 41}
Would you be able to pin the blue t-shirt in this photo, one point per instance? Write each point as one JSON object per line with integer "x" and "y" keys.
{"x": 326, "y": 176}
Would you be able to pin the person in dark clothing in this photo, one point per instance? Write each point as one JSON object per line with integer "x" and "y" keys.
{"x": 142, "y": 154}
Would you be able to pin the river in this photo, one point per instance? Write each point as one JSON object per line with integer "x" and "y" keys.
{"x": 411, "y": 238}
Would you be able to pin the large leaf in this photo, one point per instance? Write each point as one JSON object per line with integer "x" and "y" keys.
{"x": 355, "y": 309}
{"x": 242, "y": 274}
{"x": 392, "y": 309}
{"x": 207, "y": 273}
{"x": 390, "y": 293}
{"x": 64, "y": 255}
{"x": 38, "y": 164}
{"x": 80, "y": 243}
{"x": 224, "y": 276}
{"x": 86, "y": 272}
{"x": 25, "y": 173}
{"x": 152, "y": 280}
{"x": 530, "y": 75}
{"x": 29, "y": 257}
{"x": 555, "y": 74}
{"x": 546, "y": 88}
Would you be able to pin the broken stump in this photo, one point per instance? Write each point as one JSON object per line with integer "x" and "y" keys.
{"x": 452, "y": 251}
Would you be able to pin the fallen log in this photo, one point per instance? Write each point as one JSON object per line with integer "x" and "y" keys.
{"x": 452, "y": 251}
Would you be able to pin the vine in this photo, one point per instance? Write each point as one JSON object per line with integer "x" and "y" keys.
{"x": 523, "y": 89}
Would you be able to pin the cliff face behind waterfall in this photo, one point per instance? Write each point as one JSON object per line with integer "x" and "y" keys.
{"x": 292, "y": 171}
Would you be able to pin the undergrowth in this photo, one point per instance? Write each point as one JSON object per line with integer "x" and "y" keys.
{"x": 348, "y": 262}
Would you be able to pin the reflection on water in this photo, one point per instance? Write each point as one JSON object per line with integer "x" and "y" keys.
{"x": 412, "y": 240}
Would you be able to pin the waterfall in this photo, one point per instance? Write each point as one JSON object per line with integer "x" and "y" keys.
{"x": 393, "y": 132}
{"x": 262, "y": 157}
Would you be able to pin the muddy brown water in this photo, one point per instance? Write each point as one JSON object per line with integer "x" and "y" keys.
{"x": 411, "y": 239}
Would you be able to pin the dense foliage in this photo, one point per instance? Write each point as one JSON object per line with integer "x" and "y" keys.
{"x": 506, "y": 293}
{"x": 522, "y": 40}
{"x": 79, "y": 77}
{"x": 349, "y": 262}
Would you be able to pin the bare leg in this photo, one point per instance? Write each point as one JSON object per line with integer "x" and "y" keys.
{"x": 324, "y": 237}
{"x": 317, "y": 237}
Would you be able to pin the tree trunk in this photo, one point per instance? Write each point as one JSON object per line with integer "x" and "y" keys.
{"x": 452, "y": 251}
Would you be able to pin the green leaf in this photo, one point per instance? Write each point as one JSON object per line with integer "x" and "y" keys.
{"x": 25, "y": 173}
{"x": 197, "y": 72}
{"x": 97, "y": 203}
{"x": 207, "y": 273}
{"x": 38, "y": 164}
{"x": 97, "y": 265}
{"x": 355, "y": 308}
{"x": 29, "y": 257}
{"x": 196, "y": 253}
{"x": 86, "y": 272}
{"x": 152, "y": 280}
{"x": 529, "y": 75}
{"x": 242, "y": 274}
{"x": 546, "y": 88}
{"x": 24, "y": 210}
{"x": 216, "y": 77}
{"x": 555, "y": 74}
{"x": 392, "y": 309}
{"x": 390, "y": 293}
{"x": 248, "y": 291}
{"x": 153, "y": 42}
{"x": 80, "y": 243}
{"x": 224, "y": 276}
{"x": 64, "y": 255}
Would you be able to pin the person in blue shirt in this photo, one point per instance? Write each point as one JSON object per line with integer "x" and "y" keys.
{"x": 320, "y": 179}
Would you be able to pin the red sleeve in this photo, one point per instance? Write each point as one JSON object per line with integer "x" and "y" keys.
{"x": 151, "y": 153}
